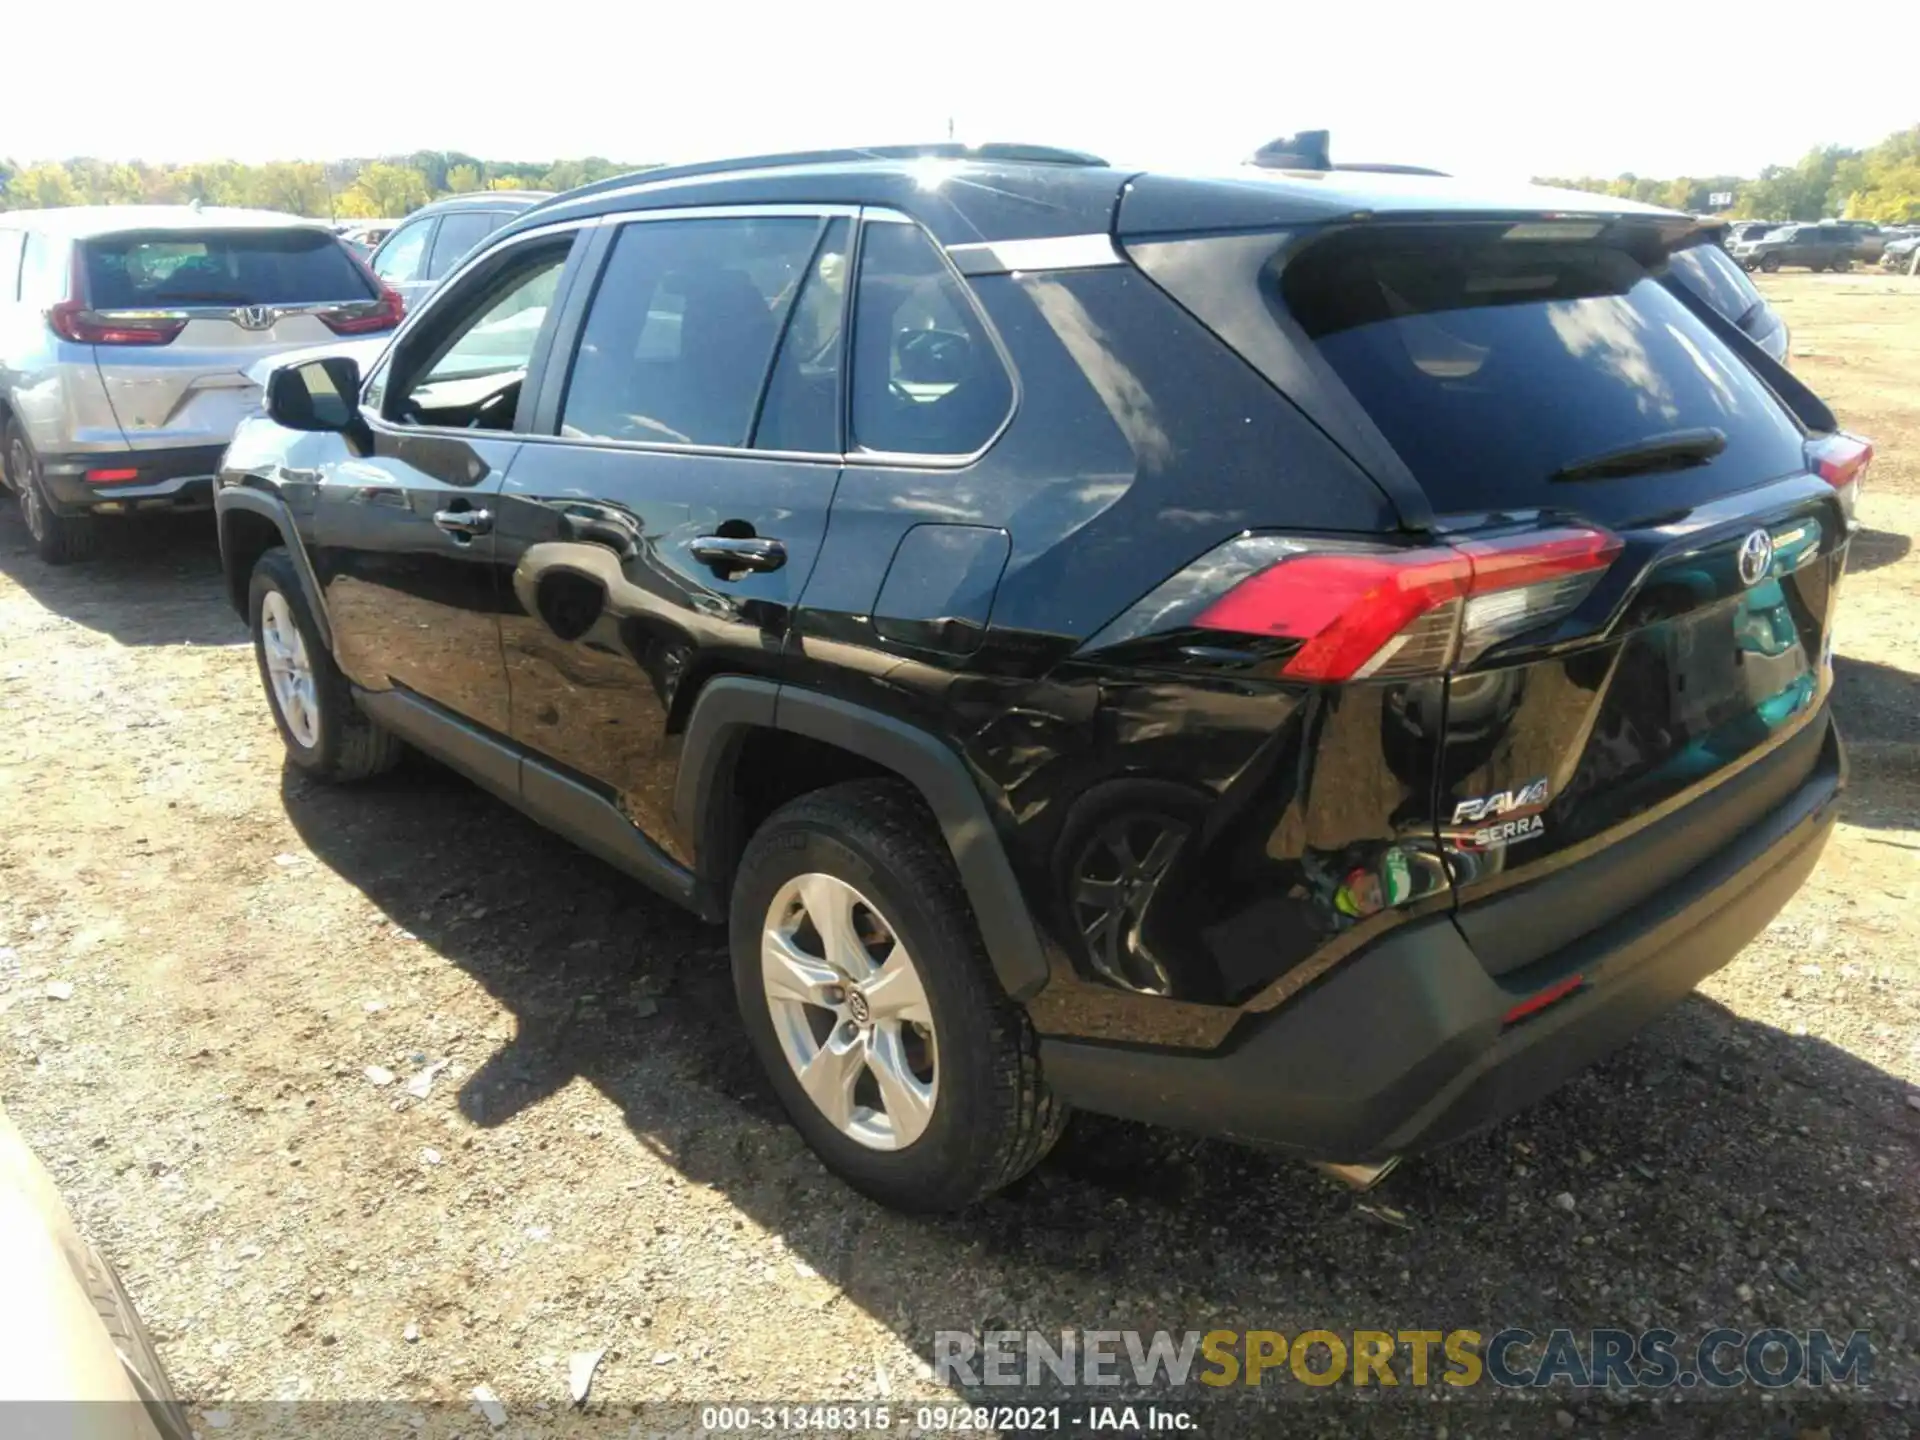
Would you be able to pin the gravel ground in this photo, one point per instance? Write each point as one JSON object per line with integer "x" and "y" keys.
{"x": 565, "y": 1147}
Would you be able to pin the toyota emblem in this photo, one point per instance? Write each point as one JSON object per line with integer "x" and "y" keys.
{"x": 1756, "y": 557}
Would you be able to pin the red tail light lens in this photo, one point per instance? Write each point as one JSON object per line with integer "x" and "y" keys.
{"x": 1412, "y": 612}
{"x": 112, "y": 477}
{"x": 1357, "y": 613}
{"x": 1841, "y": 460}
{"x": 366, "y": 317}
{"x": 72, "y": 320}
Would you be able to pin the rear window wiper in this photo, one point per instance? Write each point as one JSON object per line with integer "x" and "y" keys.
{"x": 1675, "y": 450}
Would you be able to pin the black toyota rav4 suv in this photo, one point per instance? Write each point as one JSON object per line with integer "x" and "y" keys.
{"x": 1313, "y": 658}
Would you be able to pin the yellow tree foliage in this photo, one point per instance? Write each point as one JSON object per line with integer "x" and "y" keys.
{"x": 344, "y": 190}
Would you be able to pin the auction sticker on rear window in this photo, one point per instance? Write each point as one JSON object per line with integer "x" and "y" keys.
{"x": 1505, "y": 817}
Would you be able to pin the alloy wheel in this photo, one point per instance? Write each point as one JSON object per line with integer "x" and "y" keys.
{"x": 850, "y": 1011}
{"x": 289, "y": 671}
{"x": 19, "y": 472}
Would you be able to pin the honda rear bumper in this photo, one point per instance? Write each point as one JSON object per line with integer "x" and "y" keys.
{"x": 172, "y": 479}
{"x": 1406, "y": 1046}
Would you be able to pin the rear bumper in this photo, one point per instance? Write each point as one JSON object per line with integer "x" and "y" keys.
{"x": 173, "y": 479}
{"x": 1405, "y": 1046}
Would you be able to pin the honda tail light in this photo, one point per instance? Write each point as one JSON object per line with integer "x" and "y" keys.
{"x": 1841, "y": 460}
{"x": 366, "y": 317}
{"x": 72, "y": 320}
{"x": 1366, "y": 611}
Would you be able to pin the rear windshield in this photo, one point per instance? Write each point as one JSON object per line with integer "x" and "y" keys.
{"x": 1711, "y": 273}
{"x": 1490, "y": 364}
{"x": 220, "y": 267}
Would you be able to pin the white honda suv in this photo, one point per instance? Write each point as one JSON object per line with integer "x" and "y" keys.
{"x": 126, "y": 335}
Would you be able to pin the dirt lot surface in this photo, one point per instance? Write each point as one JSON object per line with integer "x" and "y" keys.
{"x": 598, "y": 1166}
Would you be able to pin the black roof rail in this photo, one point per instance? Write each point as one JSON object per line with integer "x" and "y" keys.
{"x": 1384, "y": 168}
{"x": 1014, "y": 151}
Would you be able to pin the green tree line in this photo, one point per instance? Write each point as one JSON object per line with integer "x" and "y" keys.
{"x": 1880, "y": 183}
{"x": 343, "y": 189}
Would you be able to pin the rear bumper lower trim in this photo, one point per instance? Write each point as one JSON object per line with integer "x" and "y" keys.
{"x": 1404, "y": 1048}
{"x": 172, "y": 479}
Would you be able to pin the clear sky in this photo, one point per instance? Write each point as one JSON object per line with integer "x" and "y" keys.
{"x": 1474, "y": 86}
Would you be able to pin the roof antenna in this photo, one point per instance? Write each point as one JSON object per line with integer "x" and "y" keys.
{"x": 1308, "y": 150}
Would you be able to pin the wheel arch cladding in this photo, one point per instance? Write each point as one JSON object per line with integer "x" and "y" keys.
{"x": 730, "y": 709}
{"x": 250, "y": 525}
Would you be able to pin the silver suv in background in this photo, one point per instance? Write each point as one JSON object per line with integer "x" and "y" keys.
{"x": 126, "y": 335}
{"x": 414, "y": 256}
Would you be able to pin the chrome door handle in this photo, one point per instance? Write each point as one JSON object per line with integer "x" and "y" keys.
{"x": 464, "y": 524}
{"x": 724, "y": 552}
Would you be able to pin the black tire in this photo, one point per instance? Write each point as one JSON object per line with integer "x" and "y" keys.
{"x": 347, "y": 746}
{"x": 1839, "y": 265}
{"x": 1769, "y": 263}
{"x": 993, "y": 1117}
{"x": 136, "y": 1349}
{"x": 57, "y": 539}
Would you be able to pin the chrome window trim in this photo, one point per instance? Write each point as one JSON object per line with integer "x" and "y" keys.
{"x": 1045, "y": 252}
{"x": 728, "y": 212}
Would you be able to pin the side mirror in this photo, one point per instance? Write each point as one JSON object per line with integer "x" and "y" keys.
{"x": 319, "y": 394}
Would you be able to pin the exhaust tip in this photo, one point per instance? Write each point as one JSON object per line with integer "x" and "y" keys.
{"x": 1357, "y": 1177}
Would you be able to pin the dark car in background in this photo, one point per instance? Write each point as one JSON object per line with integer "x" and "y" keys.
{"x": 1869, "y": 240}
{"x": 417, "y": 252}
{"x": 1809, "y": 247}
{"x": 1310, "y": 658}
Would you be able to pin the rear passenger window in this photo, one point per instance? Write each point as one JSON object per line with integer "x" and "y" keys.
{"x": 926, "y": 377}
{"x": 682, "y": 329}
{"x": 459, "y": 232}
{"x": 802, "y": 406}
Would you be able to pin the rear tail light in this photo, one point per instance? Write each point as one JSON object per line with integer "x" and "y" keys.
{"x": 1841, "y": 460}
{"x": 112, "y": 477}
{"x": 72, "y": 320}
{"x": 1363, "y": 612}
{"x": 367, "y": 316}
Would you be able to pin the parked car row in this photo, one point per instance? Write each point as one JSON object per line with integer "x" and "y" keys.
{"x": 1144, "y": 642}
{"x": 1823, "y": 245}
